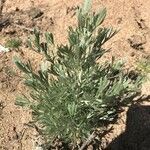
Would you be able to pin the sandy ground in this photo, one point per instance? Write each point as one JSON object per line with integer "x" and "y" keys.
{"x": 131, "y": 17}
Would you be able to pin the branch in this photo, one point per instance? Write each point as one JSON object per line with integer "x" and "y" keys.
{"x": 89, "y": 140}
{"x": 23, "y": 27}
{"x": 93, "y": 135}
{"x": 26, "y": 28}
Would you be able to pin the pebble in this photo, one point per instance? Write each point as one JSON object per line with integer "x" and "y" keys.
{"x": 35, "y": 13}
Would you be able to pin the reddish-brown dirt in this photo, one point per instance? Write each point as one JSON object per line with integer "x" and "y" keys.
{"x": 131, "y": 17}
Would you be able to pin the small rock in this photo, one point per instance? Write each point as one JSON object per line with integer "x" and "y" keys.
{"x": 141, "y": 23}
{"x": 70, "y": 9}
{"x": 3, "y": 49}
{"x": 17, "y": 9}
{"x": 4, "y": 22}
{"x": 10, "y": 31}
{"x": 35, "y": 13}
{"x": 119, "y": 20}
{"x": 132, "y": 54}
{"x": 137, "y": 41}
{"x": 4, "y": 86}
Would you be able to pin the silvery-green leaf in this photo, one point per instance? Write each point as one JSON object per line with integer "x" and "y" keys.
{"x": 44, "y": 66}
{"x": 86, "y": 6}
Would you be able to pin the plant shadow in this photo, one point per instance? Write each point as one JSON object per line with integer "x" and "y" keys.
{"x": 137, "y": 132}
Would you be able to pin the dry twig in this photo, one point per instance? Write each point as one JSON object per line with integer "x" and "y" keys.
{"x": 89, "y": 140}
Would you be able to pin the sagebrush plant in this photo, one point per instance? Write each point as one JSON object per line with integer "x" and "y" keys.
{"x": 72, "y": 94}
